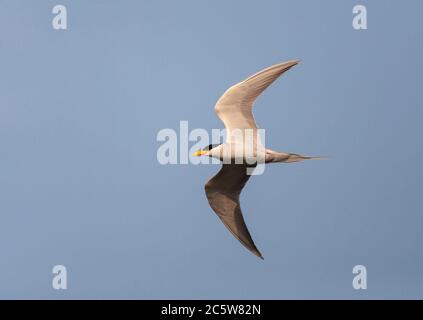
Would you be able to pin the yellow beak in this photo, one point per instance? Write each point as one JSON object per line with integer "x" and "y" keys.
{"x": 199, "y": 153}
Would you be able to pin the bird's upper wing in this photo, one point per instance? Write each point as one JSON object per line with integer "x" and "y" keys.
{"x": 234, "y": 107}
{"x": 223, "y": 192}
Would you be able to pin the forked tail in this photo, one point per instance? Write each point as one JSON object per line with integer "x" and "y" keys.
{"x": 293, "y": 157}
{"x": 274, "y": 156}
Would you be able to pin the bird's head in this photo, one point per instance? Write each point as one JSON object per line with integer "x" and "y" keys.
{"x": 205, "y": 151}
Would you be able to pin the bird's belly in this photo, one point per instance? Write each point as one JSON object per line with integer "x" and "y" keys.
{"x": 238, "y": 154}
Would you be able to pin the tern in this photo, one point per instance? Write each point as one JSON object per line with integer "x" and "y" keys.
{"x": 234, "y": 108}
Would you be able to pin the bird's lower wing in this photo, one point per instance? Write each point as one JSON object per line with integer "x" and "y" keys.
{"x": 223, "y": 192}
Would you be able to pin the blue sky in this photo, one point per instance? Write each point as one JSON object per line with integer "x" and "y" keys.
{"x": 80, "y": 184}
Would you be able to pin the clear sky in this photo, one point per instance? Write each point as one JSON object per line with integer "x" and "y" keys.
{"x": 80, "y": 184}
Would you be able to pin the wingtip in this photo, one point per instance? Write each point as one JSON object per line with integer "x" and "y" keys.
{"x": 289, "y": 64}
{"x": 294, "y": 62}
{"x": 258, "y": 254}
{"x": 286, "y": 65}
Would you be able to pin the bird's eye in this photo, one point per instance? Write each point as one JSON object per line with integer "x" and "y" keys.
{"x": 210, "y": 146}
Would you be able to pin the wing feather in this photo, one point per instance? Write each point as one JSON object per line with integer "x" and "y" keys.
{"x": 235, "y": 106}
{"x": 223, "y": 191}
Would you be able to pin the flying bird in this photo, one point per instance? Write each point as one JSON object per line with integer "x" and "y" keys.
{"x": 238, "y": 153}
